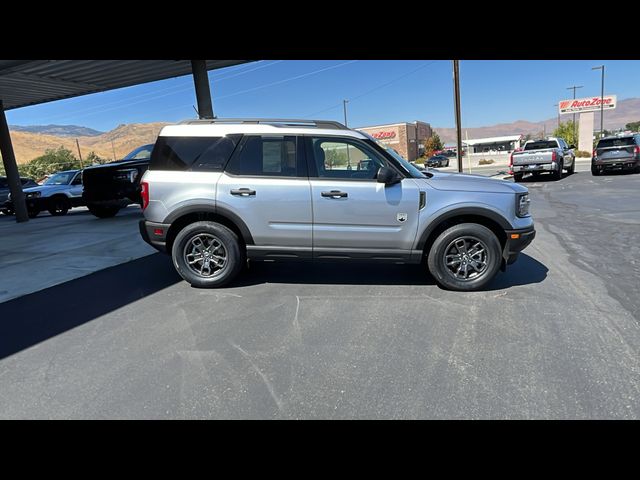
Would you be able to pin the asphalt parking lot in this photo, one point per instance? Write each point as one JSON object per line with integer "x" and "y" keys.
{"x": 556, "y": 336}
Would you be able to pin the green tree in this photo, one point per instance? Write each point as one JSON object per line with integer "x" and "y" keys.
{"x": 432, "y": 144}
{"x": 566, "y": 131}
{"x": 93, "y": 159}
{"x": 53, "y": 160}
{"x": 633, "y": 126}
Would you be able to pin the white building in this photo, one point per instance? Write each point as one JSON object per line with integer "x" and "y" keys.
{"x": 493, "y": 145}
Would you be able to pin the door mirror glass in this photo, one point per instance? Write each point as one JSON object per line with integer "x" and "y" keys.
{"x": 388, "y": 176}
{"x": 572, "y": 147}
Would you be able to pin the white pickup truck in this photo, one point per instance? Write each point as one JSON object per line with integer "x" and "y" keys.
{"x": 551, "y": 155}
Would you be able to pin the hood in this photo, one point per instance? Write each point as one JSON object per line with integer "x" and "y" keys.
{"x": 46, "y": 188}
{"x": 464, "y": 182}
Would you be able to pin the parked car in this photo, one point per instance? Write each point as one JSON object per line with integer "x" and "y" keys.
{"x": 4, "y": 192}
{"x": 616, "y": 153}
{"x": 59, "y": 193}
{"x": 113, "y": 186}
{"x": 551, "y": 155}
{"x": 437, "y": 161}
{"x": 220, "y": 191}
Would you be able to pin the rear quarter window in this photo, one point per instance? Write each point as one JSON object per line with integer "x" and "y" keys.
{"x": 193, "y": 153}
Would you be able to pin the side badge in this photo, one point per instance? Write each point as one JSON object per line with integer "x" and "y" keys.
{"x": 401, "y": 217}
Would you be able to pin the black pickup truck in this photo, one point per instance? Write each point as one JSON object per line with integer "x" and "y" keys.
{"x": 112, "y": 186}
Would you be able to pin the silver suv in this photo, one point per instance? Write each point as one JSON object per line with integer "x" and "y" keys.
{"x": 220, "y": 192}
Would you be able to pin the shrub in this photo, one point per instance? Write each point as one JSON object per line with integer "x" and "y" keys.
{"x": 583, "y": 154}
{"x": 485, "y": 161}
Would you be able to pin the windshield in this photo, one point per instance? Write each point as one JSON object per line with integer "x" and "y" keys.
{"x": 140, "y": 153}
{"x": 63, "y": 178}
{"x": 415, "y": 173}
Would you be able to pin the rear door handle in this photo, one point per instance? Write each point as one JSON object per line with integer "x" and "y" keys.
{"x": 335, "y": 194}
{"x": 243, "y": 192}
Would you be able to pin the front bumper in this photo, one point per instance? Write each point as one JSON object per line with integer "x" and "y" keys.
{"x": 517, "y": 240}
{"x": 155, "y": 234}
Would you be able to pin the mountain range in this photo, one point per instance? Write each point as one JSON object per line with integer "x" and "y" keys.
{"x": 32, "y": 141}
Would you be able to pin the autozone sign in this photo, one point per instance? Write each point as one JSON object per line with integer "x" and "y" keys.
{"x": 384, "y": 135}
{"x": 589, "y": 104}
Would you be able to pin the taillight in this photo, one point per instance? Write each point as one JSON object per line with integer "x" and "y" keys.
{"x": 553, "y": 156}
{"x": 511, "y": 160}
{"x": 144, "y": 193}
{"x": 595, "y": 153}
{"x": 636, "y": 149}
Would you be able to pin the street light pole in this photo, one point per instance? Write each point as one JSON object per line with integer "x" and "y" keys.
{"x": 344, "y": 107}
{"x": 456, "y": 91}
{"x": 574, "y": 87}
{"x": 601, "y": 67}
{"x": 555, "y": 105}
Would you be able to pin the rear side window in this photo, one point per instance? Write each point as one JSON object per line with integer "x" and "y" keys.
{"x": 616, "y": 142}
{"x": 266, "y": 156}
{"x": 193, "y": 153}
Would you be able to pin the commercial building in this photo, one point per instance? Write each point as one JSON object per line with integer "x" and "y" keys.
{"x": 405, "y": 138}
{"x": 493, "y": 145}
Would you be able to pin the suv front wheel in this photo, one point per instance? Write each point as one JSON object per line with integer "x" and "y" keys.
{"x": 207, "y": 254}
{"x": 465, "y": 257}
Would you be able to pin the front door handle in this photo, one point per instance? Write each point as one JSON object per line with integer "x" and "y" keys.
{"x": 335, "y": 194}
{"x": 243, "y": 192}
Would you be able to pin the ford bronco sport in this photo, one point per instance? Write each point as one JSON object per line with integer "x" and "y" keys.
{"x": 219, "y": 192}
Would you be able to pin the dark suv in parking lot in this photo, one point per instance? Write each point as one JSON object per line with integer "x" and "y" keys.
{"x": 617, "y": 153}
{"x": 4, "y": 193}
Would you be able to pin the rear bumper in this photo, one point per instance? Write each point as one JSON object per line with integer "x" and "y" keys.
{"x": 155, "y": 234}
{"x": 517, "y": 240}
{"x": 616, "y": 163}
{"x": 541, "y": 167}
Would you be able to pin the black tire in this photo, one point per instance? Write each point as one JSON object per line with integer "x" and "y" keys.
{"x": 33, "y": 213}
{"x": 517, "y": 177}
{"x": 231, "y": 250}
{"x": 557, "y": 175}
{"x": 103, "y": 212}
{"x": 58, "y": 206}
{"x": 595, "y": 172}
{"x": 442, "y": 246}
{"x": 571, "y": 170}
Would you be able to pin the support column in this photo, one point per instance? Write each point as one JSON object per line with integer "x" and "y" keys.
{"x": 585, "y": 131}
{"x": 11, "y": 167}
{"x": 203, "y": 93}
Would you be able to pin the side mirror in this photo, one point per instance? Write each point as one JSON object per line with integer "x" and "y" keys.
{"x": 388, "y": 176}
{"x": 571, "y": 147}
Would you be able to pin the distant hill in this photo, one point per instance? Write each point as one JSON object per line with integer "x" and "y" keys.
{"x": 626, "y": 111}
{"x": 28, "y": 145}
{"x": 58, "y": 130}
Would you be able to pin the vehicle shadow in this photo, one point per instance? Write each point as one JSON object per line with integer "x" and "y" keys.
{"x": 526, "y": 270}
{"x": 34, "y": 318}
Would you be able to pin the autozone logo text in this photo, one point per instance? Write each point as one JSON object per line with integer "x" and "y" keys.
{"x": 383, "y": 135}
{"x": 594, "y": 102}
{"x": 587, "y": 104}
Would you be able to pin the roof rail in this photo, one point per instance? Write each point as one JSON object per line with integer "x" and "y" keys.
{"x": 285, "y": 122}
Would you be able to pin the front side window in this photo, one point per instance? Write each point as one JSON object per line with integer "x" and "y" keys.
{"x": 266, "y": 156}
{"x": 345, "y": 159}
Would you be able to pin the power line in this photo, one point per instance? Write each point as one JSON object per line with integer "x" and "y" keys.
{"x": 374, "y": 88}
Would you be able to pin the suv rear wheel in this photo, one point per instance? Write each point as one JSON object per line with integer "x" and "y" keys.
{"x": 103, "y": 212}
{"x": 207, "y": 254}
{"x": 465, "y": 257}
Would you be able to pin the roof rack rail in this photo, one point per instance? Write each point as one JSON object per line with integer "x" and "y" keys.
{"x": 288, "y": 122}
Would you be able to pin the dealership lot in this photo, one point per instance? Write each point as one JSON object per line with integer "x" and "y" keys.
{"x": 556, "y": 336}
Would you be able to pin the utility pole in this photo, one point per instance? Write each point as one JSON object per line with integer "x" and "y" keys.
{"x": 456, "y": 92}
{"x": 79, "y": 153}
{"x": 555, "y": 105}
{"x": 574, "y": 87}
{"x": 601, "y": 67}
{"x": 344, "y": 107}
{"x": 113, "y": 149}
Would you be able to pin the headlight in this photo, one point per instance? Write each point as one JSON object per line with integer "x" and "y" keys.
{"x": 522, "y": 204}
{"x": 33, "y": 194}
{"x": 129, "y": 174}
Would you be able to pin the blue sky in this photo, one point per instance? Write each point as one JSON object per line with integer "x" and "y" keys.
{"x": 378, "y": 92}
